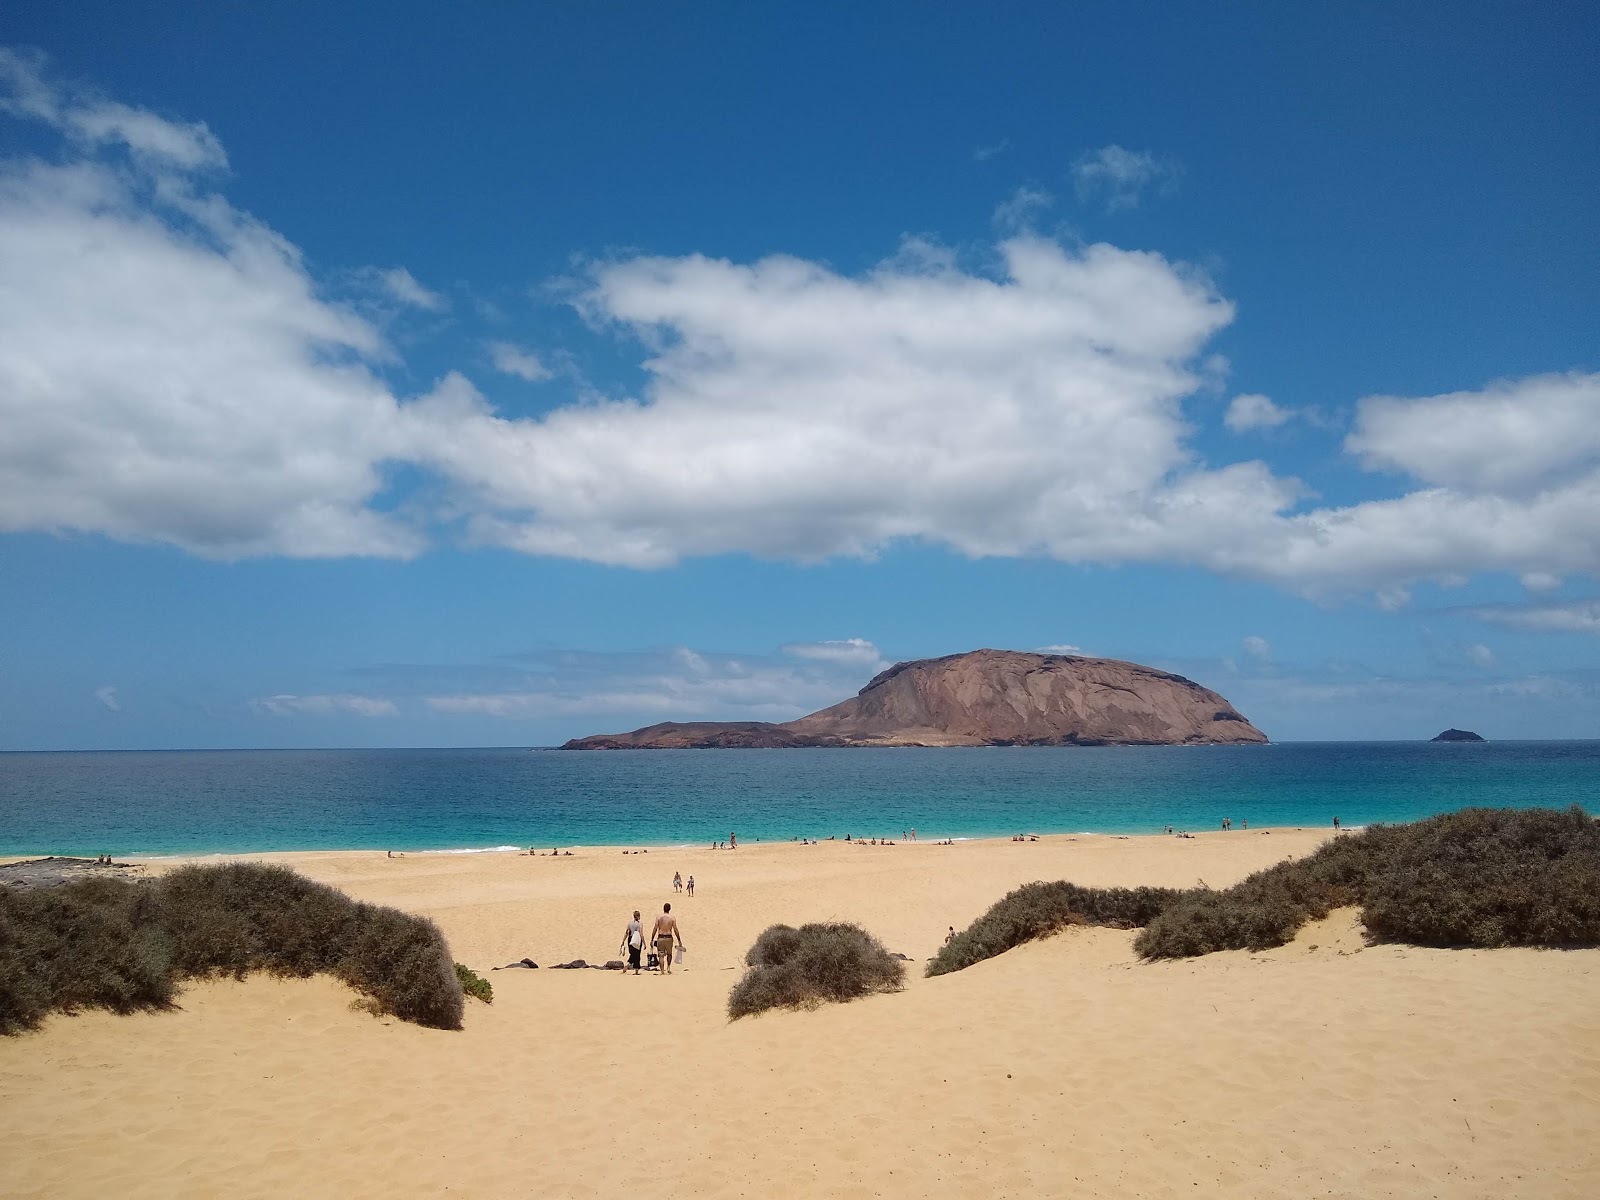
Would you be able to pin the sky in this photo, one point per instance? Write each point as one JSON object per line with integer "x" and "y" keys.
{"x": 497, "y": 373}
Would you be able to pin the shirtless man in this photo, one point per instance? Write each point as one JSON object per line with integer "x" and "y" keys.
{"x": 664, "y": 932}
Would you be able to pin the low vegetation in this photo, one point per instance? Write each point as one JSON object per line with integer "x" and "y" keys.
{"x": 1479, "y": 877}
{"x": 473, "y": 984}
{"x": 1036, "y": 910}
{"x": 813, "y": 965}
{"x": 101, "y": 943}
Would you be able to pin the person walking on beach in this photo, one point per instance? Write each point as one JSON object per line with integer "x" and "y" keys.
{"x": 633, "y": 939}
{"x": 1336, "y": 824}
{"x": 691, "y": 885}
{"x": 665, "y": 931}
{"x": 677, "y": 881}
{"x": 733, "y": 841}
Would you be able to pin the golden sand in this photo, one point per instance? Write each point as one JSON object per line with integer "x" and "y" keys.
{"x": 1326, "y": 1068}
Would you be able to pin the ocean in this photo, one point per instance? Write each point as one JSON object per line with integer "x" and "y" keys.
{"x": 217, "y": 802}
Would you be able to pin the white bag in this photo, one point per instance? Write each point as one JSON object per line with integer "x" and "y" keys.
{"x": 677, "y": 958}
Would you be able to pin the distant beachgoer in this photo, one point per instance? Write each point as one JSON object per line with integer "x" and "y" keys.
{"x": 1336, "y": 822}
{"x": 733, "y": 841}
{"x": 1245, "y": 823}
{"x": 633, "y": 940}
{"x": 951, "y": 936}
{"x": 665, "y": 930}
{"x": 913, "y": 833}
{"x": 691, "y": 885}
{"x": 677, "y": 882}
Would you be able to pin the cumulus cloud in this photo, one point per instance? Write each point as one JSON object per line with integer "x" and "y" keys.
{"x": 513, "y": 360}
{"x": 167, "y": 371}
{"x": 170, "y": 372}
{"x": 1064, "y": 648}
{"x": 1258, "y": 648}
{"x": 795, "y": 412}
{"x": 107, "y": 695}
{"x": 1252, "y": 410}
{"x": 1515, "y": 438}
{"x": 325, "y": 706}
{"x": 1119, "y": 178}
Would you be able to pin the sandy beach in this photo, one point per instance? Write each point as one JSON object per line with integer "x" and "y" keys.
{"x": 1327, "y": 1067}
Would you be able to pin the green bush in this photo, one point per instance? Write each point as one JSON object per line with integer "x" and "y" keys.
{"x": 1035, "y": 910}
{"x": 473, "y": 984}
{"x": 112, "y": 944}
{"x": 805, "y": 967}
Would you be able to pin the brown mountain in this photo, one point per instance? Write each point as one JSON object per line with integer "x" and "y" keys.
{"x": 984, "y": 698}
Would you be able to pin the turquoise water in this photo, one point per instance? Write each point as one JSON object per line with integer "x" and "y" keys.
{"x": 197, "y": 802}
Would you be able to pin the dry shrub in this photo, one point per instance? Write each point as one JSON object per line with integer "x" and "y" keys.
{"x": 1490, "y": 877}
{"x": 812, "y": 965}
{"x": 1478, "y": 877}
{"x": 94, "y": 943}
{"x": 112, "y": 944}
{"x": 1036, "y": 910}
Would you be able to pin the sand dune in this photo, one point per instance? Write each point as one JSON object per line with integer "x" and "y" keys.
{"x": 1066, "y": 1067}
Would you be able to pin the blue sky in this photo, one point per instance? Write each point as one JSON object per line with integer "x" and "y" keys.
{"x": 490, "y": 374}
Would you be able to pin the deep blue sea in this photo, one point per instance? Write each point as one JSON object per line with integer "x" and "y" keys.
{"x": 198, "y": 802}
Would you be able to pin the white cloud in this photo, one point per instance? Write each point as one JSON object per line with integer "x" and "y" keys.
{"x": 1258, "y": 648}
{"x": 985, "y": 153}
{"x": 1562, "y": 616}
{"x": 1016, "y": 212}
{"x": 1480, "y": 655}
{"x": 403, "y": 286}
{"x": 1064, "y": 648}
{"x": 170, "y": 373}
{"x": 513, "y": 360}
{"x": 1252, "y": 410}
{"x": 95, "y": 122}
{"x": 167, "y": 372}
{"x": 107, "y": 695}
{"x": 794, "y": 412}
{"x": 325, "y": 706}
{"x": 846, "y": 652}
{"x": 1118, "y": 178}
{"x": 678, "y": 684}
{"x": 1515, "y": 438}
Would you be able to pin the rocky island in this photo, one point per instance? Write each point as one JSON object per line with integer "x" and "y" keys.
{"x": 1459, "y": 735}
{"x": 983, "y": 698}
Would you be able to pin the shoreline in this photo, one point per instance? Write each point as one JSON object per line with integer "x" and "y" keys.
{"x": 591, "y": 849}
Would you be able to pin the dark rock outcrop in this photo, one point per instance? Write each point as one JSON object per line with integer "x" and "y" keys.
{"x": 984, "y": 698}
{"x": 1459, "y": 735}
